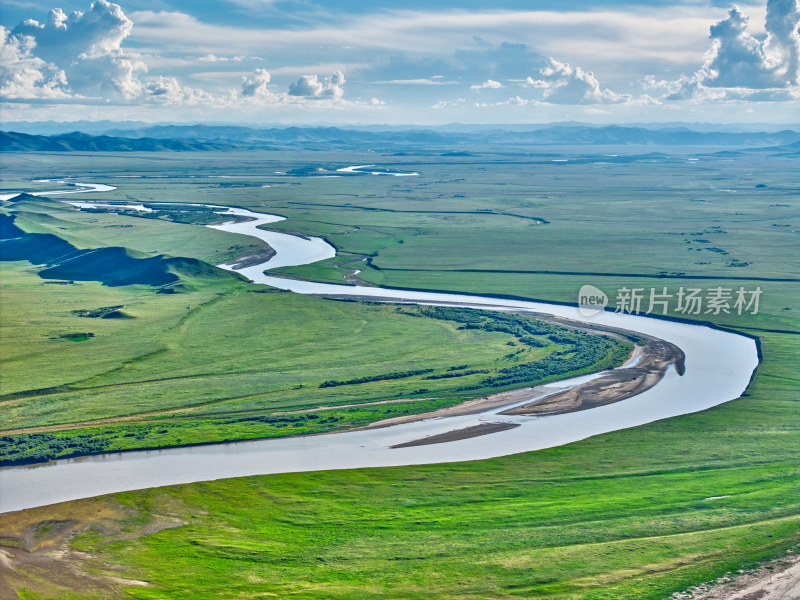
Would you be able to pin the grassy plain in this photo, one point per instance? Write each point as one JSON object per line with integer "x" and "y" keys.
{"x": 223, "y": 363}
{"x": 222, "y": 360}
{"x": 635, "y": 514}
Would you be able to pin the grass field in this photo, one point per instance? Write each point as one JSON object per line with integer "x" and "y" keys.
{"x": 221, "y": 360}
{"x": 636, "y": 514}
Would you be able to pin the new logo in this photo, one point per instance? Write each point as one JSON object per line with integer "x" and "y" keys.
{"x": 591, "y": 301}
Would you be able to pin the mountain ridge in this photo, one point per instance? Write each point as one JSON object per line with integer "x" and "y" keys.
{"x": 188, "y": 138}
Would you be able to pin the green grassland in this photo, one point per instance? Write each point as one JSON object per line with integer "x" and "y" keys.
{"x": 223, "y": 360}
{"x": 635, "y": 514}
{"x": 92, "y": 230}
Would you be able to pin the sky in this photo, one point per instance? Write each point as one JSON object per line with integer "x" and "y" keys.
{"x": 410, "y": 62}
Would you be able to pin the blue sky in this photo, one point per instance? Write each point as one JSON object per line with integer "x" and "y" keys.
{"x": 273, "y": 61}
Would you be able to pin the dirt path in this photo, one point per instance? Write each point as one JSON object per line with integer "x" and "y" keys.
{"x": 778, "y": 580}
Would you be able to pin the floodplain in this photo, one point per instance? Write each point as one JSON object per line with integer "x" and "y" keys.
{"x": 638, "y": 513}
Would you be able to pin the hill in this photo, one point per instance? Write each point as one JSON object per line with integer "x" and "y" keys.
{"x": 82, "y": 142}
{"x": 112, "y": 266}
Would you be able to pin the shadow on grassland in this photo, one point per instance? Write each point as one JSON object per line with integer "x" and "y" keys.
{"x": 112, "y": 266}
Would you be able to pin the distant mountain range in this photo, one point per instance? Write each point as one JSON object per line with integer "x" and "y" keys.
{"x": 106, "y": 126}
{"x": 82, "y": 142}
{"x": 223, "y": 137}
{"x": 787, "y": 150}
{"x": 557, "y": 135}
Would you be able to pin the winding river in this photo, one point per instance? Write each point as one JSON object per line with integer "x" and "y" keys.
{"x": 719, "y": 365}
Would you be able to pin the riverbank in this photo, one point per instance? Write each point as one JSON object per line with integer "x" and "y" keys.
{"x": 611, "y": 386}
{"x": 644, "y": 369}
{"x": 776, "y": 580}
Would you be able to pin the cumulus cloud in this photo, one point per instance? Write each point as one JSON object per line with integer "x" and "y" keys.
{"x": 169, "y": 91}
{"x": 309, "y": 86}
{"x": 737, "y": 58}
{"x": 255, "y": 85}
{"x": 565, "y": 84}
{"x": 308, "y": 90}
{"x": 743, "y": 66}
{"x": 306, "y": 85}
{"x": 80, "y": 57}
{"x": 25, "y": 76}
{"x": 488, "y": 84}
{"x": 86, "y": 46}
{"x": 783, "y": 44}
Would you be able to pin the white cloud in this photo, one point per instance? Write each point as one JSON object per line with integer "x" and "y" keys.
{"x": 488, "y": 84}
{"x": 670, "y": 35}
{"x": 25, "y": 76}
{"x": 168, "y": 90}
{"x": 255, "y": 85}
{"x": 513, "y": 101}
{"x": 86, "y": 46}
{"x": 307, "y": 91}
{"x": 742, "y": 66}
{"x": 309, "y": 86}
{"x": 445, "y": 103}
{"x": 736, "y": 58}
{"x": 783, "y": 44}
{"x": 98, "y": 57}
{"x": 564, "y": 84}
{"x": 536, "y": 83}
{"x": 80, "y": 58}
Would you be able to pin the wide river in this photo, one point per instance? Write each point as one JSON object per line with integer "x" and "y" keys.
{"x": 718, "y": 368}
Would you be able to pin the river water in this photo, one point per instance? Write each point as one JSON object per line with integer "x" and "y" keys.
{"x": 718, "y": 368}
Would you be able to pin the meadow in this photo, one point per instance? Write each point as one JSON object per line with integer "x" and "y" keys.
{"x": 97, "y": 367}
{"x": 635, "y": 514}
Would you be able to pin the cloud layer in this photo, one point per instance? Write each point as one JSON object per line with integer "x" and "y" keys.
{"x": 741, "y": 66}
{"x": 564, "y": 84}
{"x": 23, "y": 75}
{"x": 86, "y": 48}
{"x": 80, "y": 58}
{"x": 462, "y": 63}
